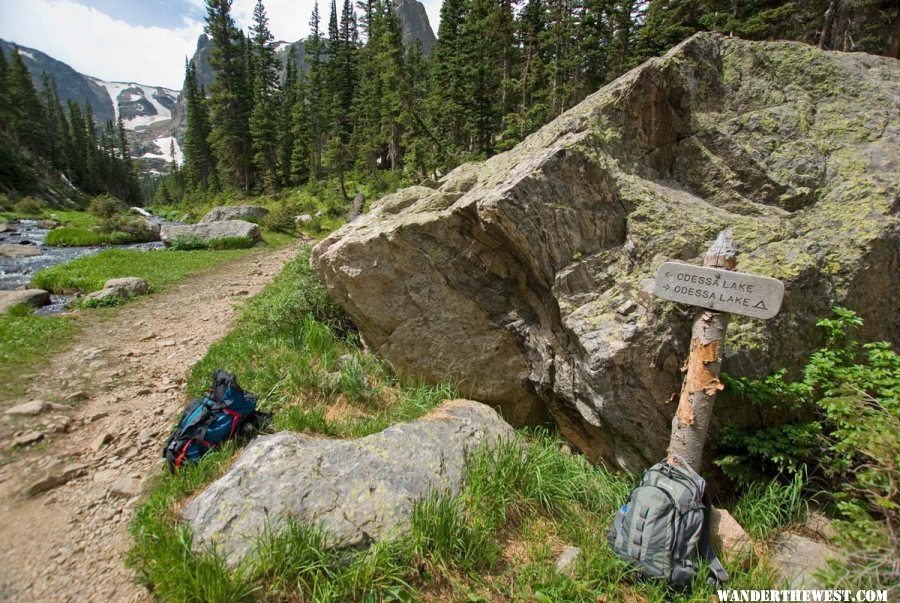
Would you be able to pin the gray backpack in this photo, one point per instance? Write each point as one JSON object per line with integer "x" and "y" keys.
{"x": 664, "y": 527}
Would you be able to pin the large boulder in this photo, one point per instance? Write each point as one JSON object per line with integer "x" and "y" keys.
{"x": 526, "y": 279}
{"x": 234, "y": 212}
{"x": 356, "y": 490}
{"x": 226, "y": 229}
{"x": 30, "y": 297}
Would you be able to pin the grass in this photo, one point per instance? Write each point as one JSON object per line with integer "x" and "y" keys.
{"x": 72, "y": 236}
{"x": 75, "y": 219}
{"x": 763, "y": 508}
{"x": 322, "y": 200}
{"x": 496, "y": 540}
{"x": 26, "y": 340}
{"x": 160, "y": 268}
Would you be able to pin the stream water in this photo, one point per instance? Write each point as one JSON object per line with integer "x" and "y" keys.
{"x": 17, "y": 272}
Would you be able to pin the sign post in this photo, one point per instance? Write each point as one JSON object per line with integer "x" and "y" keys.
{"x": 720, "y": 291}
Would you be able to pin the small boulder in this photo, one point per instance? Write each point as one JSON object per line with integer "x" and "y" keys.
{"x": 303, "y": 219}
{"x": 122, "y": 288}
{"x": 797, "y": 559}
{"x": 732, "y": 540}
{"x": 29, "y": 409}
{"x": 565, "y": 563}
{"x": 55, "y": 477}
{"x": 8, "y": 250}
{"x": 234, "y": 212}
{"x": 356, "y": 490}
{"x": 225, "y": 229}
{"x": 131, "y": 284}
{"x": 31, "y": 297}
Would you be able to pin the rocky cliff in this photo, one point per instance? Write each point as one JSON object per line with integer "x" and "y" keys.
{"x": 527, "y": 278}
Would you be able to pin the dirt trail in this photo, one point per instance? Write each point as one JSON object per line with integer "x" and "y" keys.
{"x": 67, "y": 544}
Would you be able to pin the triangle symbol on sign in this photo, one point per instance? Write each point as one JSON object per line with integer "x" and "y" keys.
{"x": 760, "y": 304}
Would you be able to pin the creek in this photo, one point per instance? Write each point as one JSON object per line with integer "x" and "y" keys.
{"x": 17, "y": 272}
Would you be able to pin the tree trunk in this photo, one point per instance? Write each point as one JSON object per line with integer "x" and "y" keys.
{"x": 893, "y": 44}
{"x": 701, "y": 381}
{"x": 826, "y": 25}
{"x": 356, "y": 207}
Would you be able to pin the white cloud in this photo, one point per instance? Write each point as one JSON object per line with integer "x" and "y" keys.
{"x": 98, "y": 45}
{"x": 95, "y": 44}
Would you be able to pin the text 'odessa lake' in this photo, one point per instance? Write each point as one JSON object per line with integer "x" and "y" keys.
{"x": 722, "y": 290}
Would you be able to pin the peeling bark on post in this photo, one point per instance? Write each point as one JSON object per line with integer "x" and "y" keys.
{"x": 701, "y": 381}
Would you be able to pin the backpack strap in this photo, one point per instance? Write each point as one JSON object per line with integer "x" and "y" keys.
{"x": 717, "y": 572}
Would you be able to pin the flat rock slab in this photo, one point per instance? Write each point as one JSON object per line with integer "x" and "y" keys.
{"x": 225, "y": 229}
{"x": 31, "y": 297}
{"x": 28, "y": 409}
{"x": 234, "y": 212}
{"x": 797, "y": 559}
{"x": 19, "y": 251}
{"x": 358, "y": 491}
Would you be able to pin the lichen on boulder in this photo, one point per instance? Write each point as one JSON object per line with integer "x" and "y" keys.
{"x": 356, "y": 491}
{"x": 506, "y": 277}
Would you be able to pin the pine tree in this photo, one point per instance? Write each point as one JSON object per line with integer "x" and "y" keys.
{"x": 29, "y": 121}
{"x": 342, "y": 67}
{"x": 56, "y": 125}
{"x": 130, "y": 185}
{"x": 230, "y": 99}
{"x": 266, "y": 100}
{"x": 92, "y": 153}
{"x": 317, "y": 98}
{"x": 78, "y": 141}
{"x": 285, "y": 119}
{"x": 301, "y": 150}
{"x": 199, "y": 163}
{"x": 419, "y": 143}
{"x": 5, "y": 105}
{"x": 449, "y": 86}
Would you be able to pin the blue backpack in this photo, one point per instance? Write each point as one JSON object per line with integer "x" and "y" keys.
{"x": 208, "y": 421}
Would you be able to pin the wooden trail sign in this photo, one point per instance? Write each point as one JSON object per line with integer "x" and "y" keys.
{"x": 721, "y": 290}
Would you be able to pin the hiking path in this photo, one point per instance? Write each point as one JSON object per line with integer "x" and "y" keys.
{"x": 121, "y": 384}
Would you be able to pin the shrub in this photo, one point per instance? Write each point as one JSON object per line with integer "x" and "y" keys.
{"x": 29, "y": 206}
{"x": 188, "y": 243}
{"x": 106, "y": 206}
{"x": 851, "y": 444}
{"x": 123, "y": 229}
{"x": 281, "y": 218}
{"x": 231, "y": 243}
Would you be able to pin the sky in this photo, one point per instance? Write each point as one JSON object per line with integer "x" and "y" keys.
{"x": 143, "y": 41}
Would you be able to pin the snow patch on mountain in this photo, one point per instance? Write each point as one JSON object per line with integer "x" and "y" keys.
{"x": 162, "y": 113}
{"x": 114, "y": 89}
{"x": 130, "y": 92}
{"x": 165, "y": 144}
